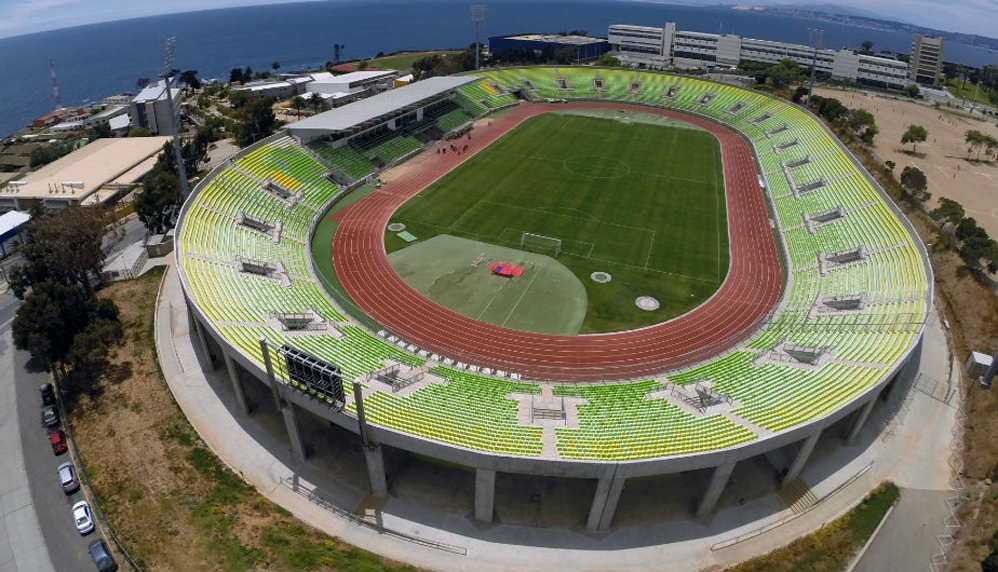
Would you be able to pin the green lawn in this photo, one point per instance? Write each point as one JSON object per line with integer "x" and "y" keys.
{"x": 641, "y": 201}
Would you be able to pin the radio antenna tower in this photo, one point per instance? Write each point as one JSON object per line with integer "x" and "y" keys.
{"x": 165, "y": 73}
{"x": 816, "y": 38}
{"x": 477, "y": 16}
{"x": 55, "y": 86}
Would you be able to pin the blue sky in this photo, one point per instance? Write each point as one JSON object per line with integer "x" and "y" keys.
{"x": 19, "y": 17}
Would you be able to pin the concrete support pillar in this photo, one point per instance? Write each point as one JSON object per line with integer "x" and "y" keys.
{"x": 485, "y": 494}
{"x": 202, "y": 338}
{"x": 608, "y": 490}
{"x": 802, "y": 456}
{"x": 237, "y": 384}
{"x": 294, "y": 431}
{"x": 271, "y": 380}
{"x": 715, "y": 488}
{"x": 376, "y": 469}
{"x": 864, "y": 413}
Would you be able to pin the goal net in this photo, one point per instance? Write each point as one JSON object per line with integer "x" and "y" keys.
{"x": 540, "y": 242}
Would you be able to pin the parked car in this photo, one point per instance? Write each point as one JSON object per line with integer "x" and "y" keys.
{"x": 48, "y": 394}
{"x": 58, "y": 440}
{"x": 67, "y": 476}
{"x": 50, "y": 416}
{"x": 82, "y": 517}
{"x": 101, "y": 556}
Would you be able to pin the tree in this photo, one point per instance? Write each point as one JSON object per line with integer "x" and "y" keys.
{"x": 911, "y": 90}
{"x": 977, "y": 245}
{"x": 862, "y": 123}
{"x": 236, "y": 75}
{"x": 890, "y": 165}
{"x": 948, "y": 211}
{"x": 139, "y": 132}
{"x": 974, "y": 140}
{"x": 784, "y": 73}
{"x": 47, "y": 321}
{"x": 832, "y": 109}
{"x": 914, "y": 183}
{"x": 87, "y": 358}
{"x": 141, "y": 83}
{"x": 258, "y": 120}
{"x": 914, "y": 135}
{"x": 298, "y": 102}
{"x": 800, "y": 95}
{"x": 318, "y": 104}
{"x": 64, "y": 247}
{"x": 68, "y": 333}
{"x": 190, "y": 79}
{"x": 608, "y": 61}
{"x": 159, "y": 200}
{"x": 867, "y": 46}
{"x": 276, "y": 65}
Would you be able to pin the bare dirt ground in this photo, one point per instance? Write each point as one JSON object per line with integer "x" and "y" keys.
{"x": 950, "y": 170}
{"x": 171, "y": 502}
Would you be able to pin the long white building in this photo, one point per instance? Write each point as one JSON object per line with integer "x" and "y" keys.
{"x": 667, "y": 47}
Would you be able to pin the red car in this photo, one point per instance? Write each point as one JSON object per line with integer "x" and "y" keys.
{"x": 58, "y": 440}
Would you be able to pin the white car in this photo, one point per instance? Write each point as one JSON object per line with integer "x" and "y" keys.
{"x": 84, "y": 520}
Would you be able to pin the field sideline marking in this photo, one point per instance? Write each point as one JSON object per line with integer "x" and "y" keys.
{"x": 522, "y": 294}
{"x": 493, "y": 299}
{"x": 650, "y": 247}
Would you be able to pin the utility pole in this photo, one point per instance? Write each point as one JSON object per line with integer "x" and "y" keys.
{"x": 816, "y": 38}
{"x": 477, "y": 16}
{"x": 165, "y": 73}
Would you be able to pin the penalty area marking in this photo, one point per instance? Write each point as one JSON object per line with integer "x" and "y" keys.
{"x": 646, "y": 303}
{"x": 601, "y": 277}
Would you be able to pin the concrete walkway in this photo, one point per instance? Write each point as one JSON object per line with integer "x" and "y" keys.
{"x": 914, "y": 453}
{"x": 22, "y": 547}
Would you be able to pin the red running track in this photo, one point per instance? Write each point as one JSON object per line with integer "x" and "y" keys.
{"x": 751, "y": 289}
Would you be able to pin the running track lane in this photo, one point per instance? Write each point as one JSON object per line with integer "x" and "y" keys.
{"x": 751, "y": 289}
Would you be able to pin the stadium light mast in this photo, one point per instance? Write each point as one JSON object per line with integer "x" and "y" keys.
{"x": 477, "y": 16}
{"x": 816, "y": 38}
{"x": 165, "y": 73}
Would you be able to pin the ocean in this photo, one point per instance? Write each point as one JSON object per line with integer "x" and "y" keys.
{"x": 98, "y": 60}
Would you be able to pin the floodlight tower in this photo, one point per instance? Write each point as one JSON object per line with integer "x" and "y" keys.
{"x": 477, "y": 16}
{"x": 165, "y": 73}
{"x": 816, "y": 39}
{"x": 55, "y": 86}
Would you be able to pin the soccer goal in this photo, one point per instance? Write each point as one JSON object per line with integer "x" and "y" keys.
{"x": 533, "y": 241}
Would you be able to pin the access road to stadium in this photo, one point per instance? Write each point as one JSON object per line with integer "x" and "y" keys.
{"x": 751, "y": 289}
{"x": 907, "y": 440}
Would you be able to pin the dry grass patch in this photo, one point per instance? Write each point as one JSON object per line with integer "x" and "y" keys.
{"x": 172, "y": 503}
{"x": 833, "y": 546}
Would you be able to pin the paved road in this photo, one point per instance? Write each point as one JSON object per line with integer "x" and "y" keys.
{"x": 36, "y": 514}
{"x": 907, "y": 540}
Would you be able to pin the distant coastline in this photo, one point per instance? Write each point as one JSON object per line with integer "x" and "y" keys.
{"x": 98, "y": 60}
{"x": 872, "y": 23}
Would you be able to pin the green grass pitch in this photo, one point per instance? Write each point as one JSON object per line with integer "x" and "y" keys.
{"x": 642, "y": 201}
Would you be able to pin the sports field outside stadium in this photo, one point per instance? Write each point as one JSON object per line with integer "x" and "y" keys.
{"x": 630, "y": 194}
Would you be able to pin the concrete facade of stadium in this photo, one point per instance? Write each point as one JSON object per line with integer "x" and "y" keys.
{"x": 610, "y": 476}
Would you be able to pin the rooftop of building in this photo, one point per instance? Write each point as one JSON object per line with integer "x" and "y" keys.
{"x": 366, "y": 110}
{"x": 556, "y": 39}
{"x": 105, "y": 162}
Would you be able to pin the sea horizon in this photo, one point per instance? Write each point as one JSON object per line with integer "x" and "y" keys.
{"x": 98, "y": 60}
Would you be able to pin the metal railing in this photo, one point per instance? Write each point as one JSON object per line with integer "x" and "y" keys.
{"x": 315, "y": 495}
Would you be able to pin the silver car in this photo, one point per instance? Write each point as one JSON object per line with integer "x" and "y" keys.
{"x": 82, "y": 517}
{"x": 67, "y": 476}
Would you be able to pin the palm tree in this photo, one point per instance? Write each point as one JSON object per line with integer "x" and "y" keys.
{"x": 297, "y": 103}
{"x": 276, "y": 65}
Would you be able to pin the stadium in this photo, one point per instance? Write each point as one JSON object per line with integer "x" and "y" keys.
{"x": 284, "y": 259}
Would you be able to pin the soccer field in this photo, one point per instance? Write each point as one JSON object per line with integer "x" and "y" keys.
{"x": 641, "y": 201}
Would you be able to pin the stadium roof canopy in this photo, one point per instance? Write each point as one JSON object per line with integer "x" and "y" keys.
{"x": 375, "y": 109}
